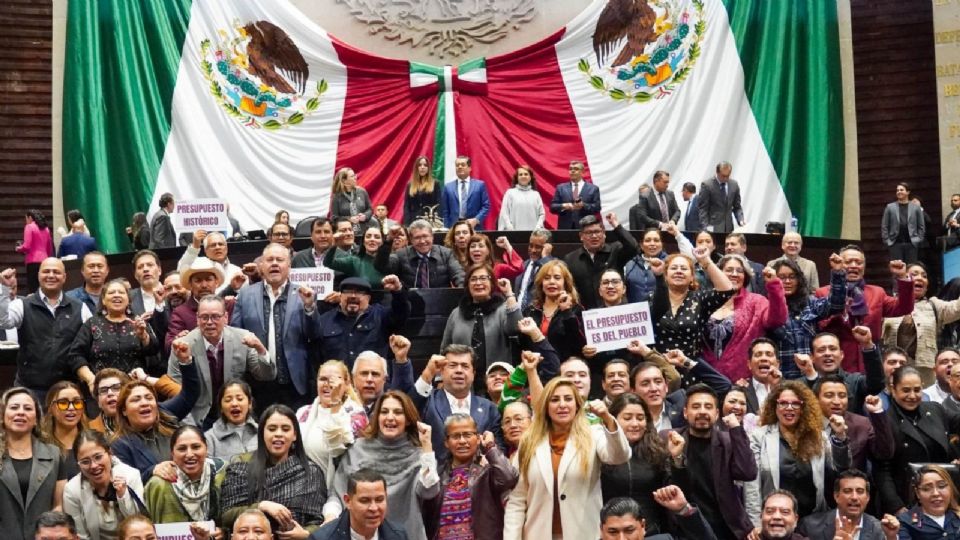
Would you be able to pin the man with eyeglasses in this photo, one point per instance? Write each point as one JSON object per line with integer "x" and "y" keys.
{"x": 827, "y": 358}
{"x": 107, "y": 385}
{"x": 588, "y": 262}
{"x": 576, "y": 199}
{"x": 230, "y": 353}
{"x": 456, "y": 369}
{"x": 214, "y": 248}
{"x": 424, "y": 265}
{"x": 465, "y": 478}
{"x": 202, "y": 278}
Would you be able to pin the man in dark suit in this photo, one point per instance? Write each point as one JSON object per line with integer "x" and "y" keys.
{"x": 764, "y": 367}
{"x": 711, "y": 461}
{"x": 538, "y": 253}
{"x": 426, "y": 266}
{"x": 649, "y": 382}
{"x": 621, "y": 518}
{"x": 587, "y": 263}
{"x": 162, "y": 234}
{"x": 719, "y": 201}
{"x": 660, "y": 203}
{"x": 870, "y": 437}
{"x": 736, "y": 244}
{"x": 951, "y": 222}
{"x": 575, "y": 200}
{"x": 149, "y": 297}
{"x": 690, "y": 214}
{"x": 638, "y": 212}
{"x": 456, "y": 370}
{"x": 851, "y": 491}
{"x": 465, "y": 197}
{"x": 365, "y": 515}
{"x": 828, "y": 356}
{"x": 321, "y": 234}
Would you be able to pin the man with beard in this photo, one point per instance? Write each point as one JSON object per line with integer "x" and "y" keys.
{"x": 711, "y": 461}
{"x": 455, "y": 367}
{"x": 764, "y": 364}
{"x": 359, "y": 325}
{"x": 471, "y": 490}
{"x": 370, "y": 372}
{"x": 828, "y": 356}
{"x": 202, "y": 278}
{"x": 851, "y": 491}
{"x": 869, "y": 437}
{"x": 616, "y": 379}
{"x": 95, "y": 271}
{"x": 778, "y": 519}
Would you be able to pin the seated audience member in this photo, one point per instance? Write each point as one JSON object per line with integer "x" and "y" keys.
{"x": 65, "y": 420}
{"x": 230, "y": 353}
{"x": 866, "y": 305}
{"x": 138, "y": 527}
{"x": 616, "y": 380}
{"x": 804, "y": 311}
{"x": 235, "y": 431}
{"x": 622, "y": 518}
{"x": 381, "y": 219}
{"x": 923, "y": 431}
{"x": 559, "y": 427}
{"x": 334, "y": 420}
{"x": 828, "y": 356}
{"x": 78, "y": 242}
{"x": 457, "y": 373}
{"x": 791, "y": 244}
{"x": 480, "y": 251}
{"x": 936, "y": 513}
{"x": 779, "y": 517}
{"x": 522, "y": 205}
{"x": 424, "y": 265}
{"x": 708, "y": 462}
{"x": 470, "y": 499}
{"x": 944, "y": 364}
{"x": 281, "y": 315}
{"x": 587, "y": 262}
{"x": 735, "y": 402}
{"x": 144, "y": 426}
{"x": 647, "y": 470}
{"x": 870, "y": 437}
{"x": 918, "y": 332}
{"x": 851, "y": 492}
{"x": 105, "y": 492}
{"x": 457, "y": 240}
{"x": 282, "y": 233}
{"x": 398, "y": 446}
{"x": 107, "y": 385}
{"x": 556, "y": 309}
{"x": 370, "y": 372}
{"x": 372, "y": 262}
{"x": 792, "y": 444}
{"x": 215, "y": 248}
{"x": 484, "y": 320}
{"x": 278, "y": 479}
{"x": 194, "y": 496}
{"x": 730, "y": 329}
{"x": 539, "y": 250}
{"x": 497, "y": 374}
{"x": 366, "y": 511}
{"x": 252, "y": 524}
{"x": 54, "y": 525}
{"x": 764, "y": 366}
{"x": 358, "y": 325}
{"x": 649, "y": 382}
{"x": 94, "y": 270}
{"x": 202, "y": 278}
{"x": 516, "y": 418}
{"x": 736, "y": 244}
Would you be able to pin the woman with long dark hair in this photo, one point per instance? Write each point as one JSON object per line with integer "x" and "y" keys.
{"x": 522, "y": 206}
{"x": 37, "y": 243}
{"x": 139, "y": 232}
{"x": 64, "y": 421}
{"x": 278, "y": 479}
{"x": 235, "y": 432}
{"x": 421, "y": 199}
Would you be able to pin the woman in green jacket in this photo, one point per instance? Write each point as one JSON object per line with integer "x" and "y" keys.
{"x": 371, "y": 263}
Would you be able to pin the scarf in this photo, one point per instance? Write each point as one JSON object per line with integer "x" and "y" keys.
{"x": 327, "y": 435}
{"x": 301, "y": 490}
{"x": 194, "y": 496}
{"x": 856, "y": 302}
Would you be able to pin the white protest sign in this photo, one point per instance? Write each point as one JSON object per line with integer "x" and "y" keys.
{"x": 180, "y": 531}
{"x": 613, "y": 328}
{"x": 201, "y": 214}
{"x": 320, "y": 279}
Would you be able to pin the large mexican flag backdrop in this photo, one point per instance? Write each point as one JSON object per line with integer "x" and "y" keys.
{"x": 250, "y": 101}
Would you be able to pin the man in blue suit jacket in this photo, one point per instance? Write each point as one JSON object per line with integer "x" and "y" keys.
{"x": 292, "y": 310}
{"x": 539, "y": 250}
{"x": 456, "y": 369}
{"x": 477, "y": 202}
{"x": 575, "y": 200}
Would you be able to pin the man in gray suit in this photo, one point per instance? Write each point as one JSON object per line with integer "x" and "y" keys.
{"x": 660, "y": 202}
{"x": 851, "y": 491}
{"x": 719, "y": 201}
{"x": 902, "y": 227}
{"x": 162, "y": 234}
{"x": 223, "y": 353}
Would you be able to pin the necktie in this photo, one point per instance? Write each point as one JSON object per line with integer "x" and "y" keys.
{"x": 576, "y": 191}
{"x": 663, "y": 207}
{"x": 723, "y": 190}
{"x": 423, "y": 273}
{"x": 463, "y": 199}
{"x": 525, "y": 283}
{"x": 215, "y": 359}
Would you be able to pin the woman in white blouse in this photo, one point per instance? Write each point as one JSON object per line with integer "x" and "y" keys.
{"x": 522, "y": 207}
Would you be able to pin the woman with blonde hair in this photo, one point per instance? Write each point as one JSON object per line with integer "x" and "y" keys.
{"x": 793, "y": 450}
{"x": 64, "y": 421}
{"x": 422, "y": 194}
{"x": 936, "y": 514}
{"x": 348, "y": 200}
{"x": 334, "y": 420}
{"x": 559, "y": 459}
{"x": 556, "y": 309}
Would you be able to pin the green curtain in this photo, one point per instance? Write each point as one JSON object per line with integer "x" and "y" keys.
{"x": 790, "y": 52}
{"x": 122, "y": 58}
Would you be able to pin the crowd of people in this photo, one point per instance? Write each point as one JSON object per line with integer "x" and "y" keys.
{"x": 244, "y": 405}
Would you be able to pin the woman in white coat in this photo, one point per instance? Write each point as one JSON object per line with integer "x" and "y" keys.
{"x": 104, "y": 493}
{"x": 561, "y": 444}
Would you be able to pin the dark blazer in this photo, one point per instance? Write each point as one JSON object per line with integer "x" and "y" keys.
{"x": 435, "y": 409}
{"x": 758, "y": 284}
{"x": 870, "y": 437}
{"x": 76, "y": 244}
{"x": 893, "y": 476}
{"x": 651, "y": 216}
{"x": 19, "y": 516}
{"x": 677, "y": 400}
{"x": 445, "y": 270}
{"x": 732, "y": 461}
{"x": 753, "y": 404}
{"x": 860, "y": 385}
{"x": 890, "y": 224}
{"x": 416, "y": 205}
{"x": 570, "y": 219}
{"x": 162, "y": 233}
{"x": 586, "y": 271}
{"x": 478, "y": 202}
{"x": 340, "y": 530}
{"x": 823, "y": 525}
{"x": 692, "y": 527}
{"x": 340, "y": 206}
{"x": 518, "y": 283}
{"x": 915, "y": 525}
{"x": 715, "y": 210}
{"x": 159, "y": 320}
{"x": 692, "y": 222}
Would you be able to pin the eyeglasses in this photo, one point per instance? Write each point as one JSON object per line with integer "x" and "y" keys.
{"x": 462, "y": 436}
{"x": 352, "y": 292}
{"x": 479, "y": 279}
{"x": 96, "y": 458}
{"x": 734, "y": 271}
{"x": 515, "y": 420}
{"x": 64, "y": 404}
{"x": 281, "y": 234}
{"x": 791, "y": 277}
{"x": 611, "y": 282}
{"x": 787, "y": 405}
{"x": 930, "y": 488}
{"x": 212, "y": 317}
{"x": 112, "y": 389}
{"x": 593, "y": 232}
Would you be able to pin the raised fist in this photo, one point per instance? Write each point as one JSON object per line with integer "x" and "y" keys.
{"x": 391, "y": 283}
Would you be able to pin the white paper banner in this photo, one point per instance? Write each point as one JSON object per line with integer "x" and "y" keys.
{"x": 201, "y": 214}
{"x": 179, "y": 531}
{"x": 613, "y": 328}
{"x": 321, "y": 279}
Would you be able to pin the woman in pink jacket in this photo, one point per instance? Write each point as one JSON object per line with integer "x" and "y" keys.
{"x": 745, "y": 317}
{"x": 37, "y": 243}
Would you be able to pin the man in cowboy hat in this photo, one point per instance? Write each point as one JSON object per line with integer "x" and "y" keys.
{"x": 201, "y": 278}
